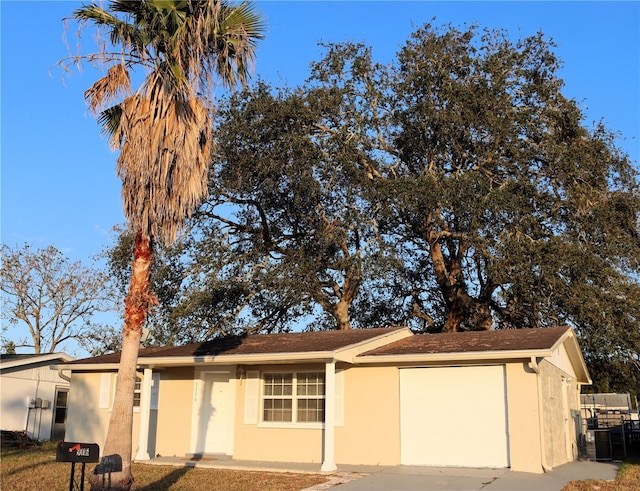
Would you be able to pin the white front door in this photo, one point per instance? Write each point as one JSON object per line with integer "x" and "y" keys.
{"x": 216, "y": 415}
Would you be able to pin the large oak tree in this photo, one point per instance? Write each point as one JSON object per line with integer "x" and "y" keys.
{"x": 504, "y": 207}
{"x": 493, "y": 203}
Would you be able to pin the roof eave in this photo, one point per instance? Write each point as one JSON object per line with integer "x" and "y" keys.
{"x": 174, "y": 361}
{"x": 453, "y": 357}
{"x": 84, "y": 367}
{"x": 577, "y": 359}
{"x": 350, "y": 352}
{"x": 265, "y": 358}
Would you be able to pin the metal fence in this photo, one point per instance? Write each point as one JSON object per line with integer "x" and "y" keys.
{"x": 604, "y": 440}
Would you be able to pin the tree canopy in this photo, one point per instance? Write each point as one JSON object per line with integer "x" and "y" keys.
{"x": 56, "y": 299}
{"x": 455, "y": 189}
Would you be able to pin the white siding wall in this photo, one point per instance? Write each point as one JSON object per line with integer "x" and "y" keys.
{"x": 17, "y": 387}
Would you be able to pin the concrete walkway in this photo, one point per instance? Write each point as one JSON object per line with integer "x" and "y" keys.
{"x": 413, "y": 478}
{"x": 404, "y": 478}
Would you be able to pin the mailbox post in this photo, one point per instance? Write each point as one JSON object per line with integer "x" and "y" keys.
{"x": 84, "y": 453}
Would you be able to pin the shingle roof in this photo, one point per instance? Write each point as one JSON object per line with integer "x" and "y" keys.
{"x": 13, "y": 357}
{"x": 256, "y": 344}
{"x": 23, "y": 360}
{"x": 474, "y": 341}
{"x": 610, "y": 400}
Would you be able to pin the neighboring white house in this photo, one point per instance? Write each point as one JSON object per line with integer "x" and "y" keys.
{"x": 34, "y": 395}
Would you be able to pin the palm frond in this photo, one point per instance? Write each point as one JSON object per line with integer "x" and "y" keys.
{"x": 115, "y": 84}
{"x": 109, "y": 121}
{"x": 239, "y": 31}
{"x": 163, "y": 130}
{"x": 120, "y": 31}
{"x": 164, "y": 159}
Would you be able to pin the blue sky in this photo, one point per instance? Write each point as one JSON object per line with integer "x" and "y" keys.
{"x": 58, "y": 182}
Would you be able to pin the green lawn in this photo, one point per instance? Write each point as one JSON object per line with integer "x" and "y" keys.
{"x": 35, "y": 468}
{"x": 628, "y": 479}
{"x": 29, "y": 469}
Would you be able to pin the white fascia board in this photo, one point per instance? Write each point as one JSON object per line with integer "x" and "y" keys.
{"x": 453, "y": 357}
{"x": 576, "y": 358}
{"x": 173, "y": 361}
{"x": 349, "y": 353}
{"x": 569, "y": 333}
{"x": 87, "y": 367}
{"x": 570, "y": 342}
{"x": 264, "y": 358}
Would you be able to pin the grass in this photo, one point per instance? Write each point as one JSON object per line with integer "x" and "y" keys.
{"x": 627, "y": 479}
{"x": 36, "y": 468}
{"x": 29, "y": 469}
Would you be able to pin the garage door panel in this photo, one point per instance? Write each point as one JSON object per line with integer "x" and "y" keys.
{"x": 454, "y": 416}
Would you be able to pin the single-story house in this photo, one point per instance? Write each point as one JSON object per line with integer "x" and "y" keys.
{"x": 379, "y": 396}
{"x": 33, "y": 395}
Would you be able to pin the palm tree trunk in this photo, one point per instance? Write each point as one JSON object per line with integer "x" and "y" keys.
{"x": 116, "y": 454}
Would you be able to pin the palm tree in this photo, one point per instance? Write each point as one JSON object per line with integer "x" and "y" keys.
{"x": 163, "y": 133}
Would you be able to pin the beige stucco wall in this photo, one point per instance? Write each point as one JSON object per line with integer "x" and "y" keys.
{"x": 86, "y": 422}
{"x": 558, "y": 398}
{"x": 561, "y": 412}
{"x": 523, "y": 417}
{"x": 371, "y": 401}
{"x": 559, "y": 404}
{"x": 276, "y": 444}
{"x": 175, "y": 406}
{"x": 371, "y": 431}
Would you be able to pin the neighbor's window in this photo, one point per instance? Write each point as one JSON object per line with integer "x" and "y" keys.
{"x": 293, "y": 397}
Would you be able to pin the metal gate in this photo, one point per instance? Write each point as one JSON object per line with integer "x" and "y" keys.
{"x": 610, "y": 444}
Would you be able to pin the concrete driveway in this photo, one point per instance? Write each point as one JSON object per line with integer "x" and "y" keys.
{"x": 412, "y": 478}
{"x": 405, "y": 478}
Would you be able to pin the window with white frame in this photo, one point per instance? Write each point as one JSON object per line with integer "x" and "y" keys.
{"x": 137, "y": 393}
{"x": 293, "y": 397}
{"x": 108, "y": 390}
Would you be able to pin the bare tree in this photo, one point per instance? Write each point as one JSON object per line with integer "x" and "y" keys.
{"x": 53, "y": 297}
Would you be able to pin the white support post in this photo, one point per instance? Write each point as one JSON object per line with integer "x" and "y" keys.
{"x": 328, "y": 459}
{"x": 145, "y": 413}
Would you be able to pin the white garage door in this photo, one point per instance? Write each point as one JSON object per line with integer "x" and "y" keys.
{"x": 454, "y": 416}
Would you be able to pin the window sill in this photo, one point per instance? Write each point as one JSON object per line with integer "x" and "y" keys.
{"x": 292, "y": 426}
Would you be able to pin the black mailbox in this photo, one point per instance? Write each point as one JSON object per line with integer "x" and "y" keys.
{"x": 87, "y": 453}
